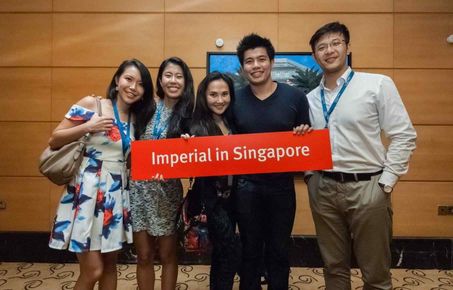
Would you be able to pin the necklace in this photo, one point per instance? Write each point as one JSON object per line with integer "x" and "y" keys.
{"x": 125, "y": 136}
{"x": 160, "y": 122}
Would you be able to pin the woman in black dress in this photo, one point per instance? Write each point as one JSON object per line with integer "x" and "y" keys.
{"x": 214, "y": 96}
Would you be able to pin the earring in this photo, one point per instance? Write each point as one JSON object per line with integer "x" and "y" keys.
{"x": 116, "y": 88}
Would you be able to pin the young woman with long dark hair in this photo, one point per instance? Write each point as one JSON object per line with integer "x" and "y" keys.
{"x": 213, "y": 194}
{"x": 93, "y": 217}
{"x": 155, "y": 203}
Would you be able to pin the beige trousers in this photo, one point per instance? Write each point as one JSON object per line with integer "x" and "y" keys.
{"x": 353, "y": 216}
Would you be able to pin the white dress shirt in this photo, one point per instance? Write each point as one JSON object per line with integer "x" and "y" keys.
{"x": 370, "y": 104}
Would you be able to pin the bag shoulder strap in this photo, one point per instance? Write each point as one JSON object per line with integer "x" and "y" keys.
{"x": 99, "y": 106}
{"x": 99, "y": 110}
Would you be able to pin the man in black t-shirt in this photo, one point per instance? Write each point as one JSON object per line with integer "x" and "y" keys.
{"x": 265, "y": 203}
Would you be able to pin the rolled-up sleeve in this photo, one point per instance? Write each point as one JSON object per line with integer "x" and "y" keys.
{"x": 398, "y": 128}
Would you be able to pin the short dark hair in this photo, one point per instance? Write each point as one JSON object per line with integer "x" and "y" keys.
{"x": 143, "y": 109}
{"x": 332, "y": 27}
{"x": 252, "y": 41}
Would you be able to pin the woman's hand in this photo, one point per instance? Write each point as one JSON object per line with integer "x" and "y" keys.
{"x": 99, "y": 124}
{"x": 158, "y": 177}
{"x": 186, "y": 136}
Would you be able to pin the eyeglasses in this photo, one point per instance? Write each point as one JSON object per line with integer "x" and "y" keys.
{"x": 335, "y": 44}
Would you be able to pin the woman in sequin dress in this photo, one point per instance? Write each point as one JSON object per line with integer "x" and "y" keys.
{"x": 155, "y": 203}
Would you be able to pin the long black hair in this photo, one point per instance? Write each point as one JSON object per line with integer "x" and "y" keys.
{"x": 203, "y": 123}
{"x": 143, "y": 109}
{"x": 182, "y": 110}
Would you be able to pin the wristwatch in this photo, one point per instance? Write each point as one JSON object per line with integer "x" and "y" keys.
{"x": 386, "y": 188}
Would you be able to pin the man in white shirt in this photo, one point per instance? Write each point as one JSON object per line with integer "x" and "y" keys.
{"x": 351, "y": 204}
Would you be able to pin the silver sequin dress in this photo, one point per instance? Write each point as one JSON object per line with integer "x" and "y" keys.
{"x": 155, "y": 204}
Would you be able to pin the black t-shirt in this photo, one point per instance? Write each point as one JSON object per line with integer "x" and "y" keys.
{"x": 285, "y": 109}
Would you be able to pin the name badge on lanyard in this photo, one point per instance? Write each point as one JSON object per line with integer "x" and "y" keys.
{"x": 125, "y": 136}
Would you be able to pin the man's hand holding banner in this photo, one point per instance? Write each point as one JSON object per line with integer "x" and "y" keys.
{"x": 230, "y": 155}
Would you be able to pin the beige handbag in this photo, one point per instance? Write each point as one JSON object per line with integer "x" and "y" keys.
{"x": 60, "y": 165}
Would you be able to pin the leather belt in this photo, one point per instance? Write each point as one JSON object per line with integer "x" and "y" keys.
{"x": 349, "y": 177}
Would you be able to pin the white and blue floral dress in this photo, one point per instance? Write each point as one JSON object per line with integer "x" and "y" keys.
{"x": 93, "y": 213}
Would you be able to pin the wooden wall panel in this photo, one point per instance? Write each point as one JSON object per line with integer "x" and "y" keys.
{"x": 441, "y": 6}
{"x": 412, "y": 201}
{"x": 108, "y": 6}
{"x": 50, "y": 60}
{"x": 198, "y": 75}
{"x": 27, "y": 204}
{"x": 26, "y": 6}
{"x": 335, "y": 6}
{"x": 303, "y": 222}
{"x": 387, "y": 72}
{"x": 427, "y": 94}
{"x": 415, "y": 209}
{"x": 25, "y": 39}
{"x": 183, "y": 35}
{"x": 55, "y": 196}
{"x": 71, "y": 84}
{"x": 433, "y": 158}
{"x": 221, "y": 6}
{"x": 371, "y": 35}
{"x": 22, "y": 144}
{"x": 420, "y": 41}
{"x": 25, "y": 94}
{"x": 107, "y": 39}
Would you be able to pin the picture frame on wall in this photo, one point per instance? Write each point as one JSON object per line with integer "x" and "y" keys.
{"x": 294, "y": 68}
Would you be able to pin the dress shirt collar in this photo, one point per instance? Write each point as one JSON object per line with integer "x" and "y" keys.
{"x": 340, "y": 81}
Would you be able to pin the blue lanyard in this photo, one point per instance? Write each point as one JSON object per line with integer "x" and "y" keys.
{"x": 158, "y": 129}
{"x": 125, "y": 138}
{"x": 326, "y": 112}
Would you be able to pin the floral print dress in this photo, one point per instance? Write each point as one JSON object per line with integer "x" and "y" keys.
{"x": 93, "y": 213}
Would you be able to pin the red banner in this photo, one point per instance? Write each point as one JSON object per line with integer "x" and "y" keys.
{"x": 233, "y": 154}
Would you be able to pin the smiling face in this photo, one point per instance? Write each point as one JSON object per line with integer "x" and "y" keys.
{"x": 172, "y": 81}
{"x": 129, "y": 85}
{"x": 331, "y": 52}
{"x": 218, "y": 97}
{"x": 257, "y": 66}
